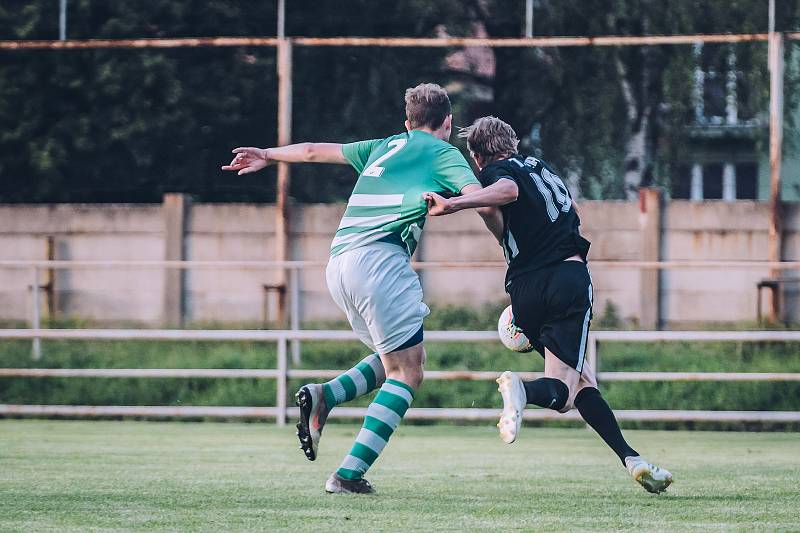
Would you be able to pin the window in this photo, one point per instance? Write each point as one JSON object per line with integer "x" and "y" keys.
{"x": 716, "y": 181}
{"x": 746, "y": 181}
{"x": 682, "y": 183}
{"x": 712, "y": 181}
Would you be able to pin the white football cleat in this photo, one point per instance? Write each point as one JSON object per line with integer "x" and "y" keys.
{"x": 514, "y": 401}
{"x": 651, "y": 477}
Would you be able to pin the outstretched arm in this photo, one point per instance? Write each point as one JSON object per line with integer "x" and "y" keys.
{"x": 248, "y": 159}
{"x": 502, "y": 192}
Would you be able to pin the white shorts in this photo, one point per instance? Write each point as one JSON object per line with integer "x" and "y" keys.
{"x": 380, "y": 294}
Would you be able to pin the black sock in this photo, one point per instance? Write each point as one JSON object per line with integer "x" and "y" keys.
{"x": 594, "y": 409}
{"x": 549, "y": 393}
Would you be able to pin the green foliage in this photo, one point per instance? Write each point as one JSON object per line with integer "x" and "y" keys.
{"x": 128, "y": 125}
{"x": 610, "y": 318}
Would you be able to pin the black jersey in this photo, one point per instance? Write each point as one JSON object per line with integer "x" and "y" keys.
{"x": 541, "y": 227}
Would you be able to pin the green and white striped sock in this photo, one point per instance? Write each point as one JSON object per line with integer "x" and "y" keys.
{"x": 383, "y": 416}
{"x": 365, "y": 377}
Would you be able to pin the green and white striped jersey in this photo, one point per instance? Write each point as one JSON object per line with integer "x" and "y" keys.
{"x": 386, "y": 204}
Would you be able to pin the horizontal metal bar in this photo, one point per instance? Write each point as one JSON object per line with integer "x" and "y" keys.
{"x": 700, "y": 336}
{"x": 346, "y": 335}
{"x": 224, "y": 335}
{"x": 698, "y": 376}
{"x": 183, "y": 42}
{"x": 556, "y": 41}
{"x": 412, "y": 414}
{"x": 255, "y": 373}
{"x": 419, "y": 265}
{"x": 423, "y": 42}
{"x": 431, "y": 375}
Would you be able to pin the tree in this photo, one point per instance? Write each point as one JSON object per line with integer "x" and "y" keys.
{"x": 579, "y": 97}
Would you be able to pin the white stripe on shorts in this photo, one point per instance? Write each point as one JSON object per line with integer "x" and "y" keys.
{"x": 375, "y": 200}
{"x": 585, "y": 333}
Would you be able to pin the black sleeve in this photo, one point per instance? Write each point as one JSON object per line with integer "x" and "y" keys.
{"x": 491, "y": 175}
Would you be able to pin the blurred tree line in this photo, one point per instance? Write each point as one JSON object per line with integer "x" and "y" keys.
{"x": 115, "y": 125}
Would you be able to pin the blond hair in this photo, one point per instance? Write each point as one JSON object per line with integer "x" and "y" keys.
{"x": 427, "y": 105}
{"x": 490, "y": 137}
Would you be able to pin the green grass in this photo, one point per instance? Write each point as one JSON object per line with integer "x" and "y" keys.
{"x": 101, "y": 476}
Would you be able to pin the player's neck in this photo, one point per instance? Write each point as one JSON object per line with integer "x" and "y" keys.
{"x": 491, "y": 159}
{"x": 439, "y": 134}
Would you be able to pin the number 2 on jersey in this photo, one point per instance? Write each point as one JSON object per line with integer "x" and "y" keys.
{"x": 375, "y": 170}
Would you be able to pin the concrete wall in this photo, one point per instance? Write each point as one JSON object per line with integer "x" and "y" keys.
{"x": 709, "y": 230}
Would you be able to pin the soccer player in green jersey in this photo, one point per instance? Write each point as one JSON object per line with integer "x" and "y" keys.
{"x": 369, "y": 273}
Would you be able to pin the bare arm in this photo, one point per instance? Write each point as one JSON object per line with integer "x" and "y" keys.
{"x": 493, "y": 219}
{"x": 503, "y": 192}
{"x": 249, "y": 159}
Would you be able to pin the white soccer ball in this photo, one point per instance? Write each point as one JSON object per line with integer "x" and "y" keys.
{"x": 510, "y": 335}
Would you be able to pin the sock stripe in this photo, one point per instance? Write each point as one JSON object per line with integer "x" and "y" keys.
{"x": 355, "y": 464}
{"x": 384, "y": 414}
{"x": 365, "y": 453}
{"x": 398, "y": 404}
{"x": 339, "y": 394}
{"x": 358, "y": 379}
{"x": 401, "y": 384}
{"x": 348, "y": 473}
{"x": 348, "y": 386}
{"x": 371, "y": 440}
{"x": 368, "y": 373}
{"x": 375, "y": 363}
{"x": 391, "y": 388}
{"x": 378, "y": 427}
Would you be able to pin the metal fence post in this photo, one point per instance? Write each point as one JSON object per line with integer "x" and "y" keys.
{"x": 280, "y": 402}
{"x": 294, "y": 312}
{"x": 36, "y": 348}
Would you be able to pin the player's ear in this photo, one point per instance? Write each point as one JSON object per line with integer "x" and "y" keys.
{"x": 448, "y": 122}
{"x": 408, "y": 125}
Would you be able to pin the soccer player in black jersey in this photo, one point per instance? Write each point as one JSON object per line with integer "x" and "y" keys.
{"x": 531, "y": 213}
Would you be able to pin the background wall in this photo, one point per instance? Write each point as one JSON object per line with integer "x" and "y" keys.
{"x": 617, "y": 229}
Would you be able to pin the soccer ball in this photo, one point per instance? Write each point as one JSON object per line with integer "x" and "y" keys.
{"x": 510, "y": 335}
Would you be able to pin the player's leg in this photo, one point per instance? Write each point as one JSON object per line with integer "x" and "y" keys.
{"x": 598, "y": 414}
{"x": 388, "y": 296}
{"x": 316, "y": 400}
{"x": 404, "y": 371}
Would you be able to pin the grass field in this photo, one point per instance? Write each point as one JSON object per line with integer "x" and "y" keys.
{"x": 81, "y": 476}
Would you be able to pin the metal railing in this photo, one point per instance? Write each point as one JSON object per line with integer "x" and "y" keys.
{"x": 294, "y": 267}
{"x": 283, "y": 373}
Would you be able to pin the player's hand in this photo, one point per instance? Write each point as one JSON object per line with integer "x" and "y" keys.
{"x": 248, "y": 160}
{"x": 437, "y": 204}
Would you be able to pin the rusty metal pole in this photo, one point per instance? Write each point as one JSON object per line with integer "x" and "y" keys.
{"x": 282, "y": 194}
{"x": 775, "y": 156}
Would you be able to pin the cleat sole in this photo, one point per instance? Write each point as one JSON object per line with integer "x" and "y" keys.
{"x": 303, "y": 401}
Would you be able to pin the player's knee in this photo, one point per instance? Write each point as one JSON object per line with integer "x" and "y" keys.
{"x": 411, "y": 376}
{"x": 558, "y": 392}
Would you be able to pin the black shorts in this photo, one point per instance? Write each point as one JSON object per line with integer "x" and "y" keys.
{"x": 553, "y": 306}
